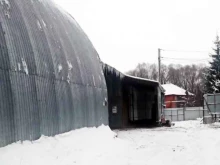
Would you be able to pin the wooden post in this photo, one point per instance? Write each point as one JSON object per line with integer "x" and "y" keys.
{"x": 203, "y": 112}
{"x": 171, "y": 115}
{"x": 184, "y": 109}
{"x": 159, "y": 65}
{"x": 177, "y": 115}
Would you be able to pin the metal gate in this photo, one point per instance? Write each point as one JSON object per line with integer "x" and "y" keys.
{"x": 212, "y": 105}
{"x": 175, "y": 114}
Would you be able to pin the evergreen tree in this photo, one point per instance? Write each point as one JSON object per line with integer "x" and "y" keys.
{"x": 212, "y": 84}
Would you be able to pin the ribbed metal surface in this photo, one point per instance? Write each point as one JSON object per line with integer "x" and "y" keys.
{"x": 51, "y": 79}
{"x": 132, "y": 100}
{"x": 212, "y": 103}
{"x": 115, "y": 95}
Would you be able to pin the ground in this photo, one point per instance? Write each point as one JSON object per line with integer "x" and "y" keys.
{"x": 187, "y": 143}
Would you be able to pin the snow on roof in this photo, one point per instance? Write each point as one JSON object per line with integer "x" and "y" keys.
{"x": 133, "y": 77}
{"x": 171, "y": 89}
{"x": 149, "y": 80}
{"x": 139, "y": 78}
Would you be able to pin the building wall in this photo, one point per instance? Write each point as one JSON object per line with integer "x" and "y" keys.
{"x": 51, "y": 80}
{"x": 169, "y": 101}
{"x": 132, "y": 101}
{"x": 115, "y": 96}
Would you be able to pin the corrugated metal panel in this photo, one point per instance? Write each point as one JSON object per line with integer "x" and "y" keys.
{"x": 25, "y": 106}
{"x": 48, "y": 110}
{"x": 132, "y": 100}
{"x": 51, "y": 79}
{"x": 115, "y": 98}
{"x": 213, "y": 102}
{"x": 7, "y": 126}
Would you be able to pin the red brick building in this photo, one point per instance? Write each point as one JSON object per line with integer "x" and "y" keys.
{"x": 175, "y": 96}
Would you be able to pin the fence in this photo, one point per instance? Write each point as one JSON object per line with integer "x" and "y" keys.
{"x": 184, "y": 113}
{"x": 212, "y": 105}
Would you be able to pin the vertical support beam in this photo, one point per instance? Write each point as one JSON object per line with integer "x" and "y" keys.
{"x": 203, "y": 112}
{"x": 177, "y": 115}
{"x": 171, "y": 115}
{"x": 184, "y": 111}
{"x": 132, "y": 98}
{"x": 159, "y": 65}
{"x": 215, "y": 103}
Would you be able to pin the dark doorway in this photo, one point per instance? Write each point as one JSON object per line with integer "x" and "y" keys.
{"x": 132, "y": 101}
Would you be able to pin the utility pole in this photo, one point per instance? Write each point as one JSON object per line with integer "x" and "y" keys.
{"x": 159, "y": 65}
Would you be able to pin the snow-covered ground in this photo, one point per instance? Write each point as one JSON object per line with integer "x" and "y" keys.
{"x": 187, "y": 143}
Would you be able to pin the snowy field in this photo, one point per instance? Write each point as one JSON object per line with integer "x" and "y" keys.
{"x": 187, "y": 143}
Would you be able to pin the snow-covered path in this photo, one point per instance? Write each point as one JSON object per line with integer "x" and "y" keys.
{"x": 187, "y": 142}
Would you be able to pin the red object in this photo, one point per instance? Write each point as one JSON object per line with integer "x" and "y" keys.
{"x": 169, "y": 101}
{"x": 163, "y": 120}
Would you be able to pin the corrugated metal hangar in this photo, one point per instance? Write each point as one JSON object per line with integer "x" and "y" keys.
{"x": 52, "y": 80}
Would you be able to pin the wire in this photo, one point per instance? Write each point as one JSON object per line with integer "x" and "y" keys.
{"x": 190, "y": 51}
{"x": 187, "y": 59}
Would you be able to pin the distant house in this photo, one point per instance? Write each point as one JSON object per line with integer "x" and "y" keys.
{"x": 175, "y": 96}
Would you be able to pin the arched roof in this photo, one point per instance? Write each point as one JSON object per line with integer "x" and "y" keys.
{"x": 51, "y": 80}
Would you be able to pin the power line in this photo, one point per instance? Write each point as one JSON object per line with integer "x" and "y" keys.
{"x": 186, "y": 59}
{"x": 185, "y": 62}
{"x": 179, "y": 59}
{"x": 185, "y": 51}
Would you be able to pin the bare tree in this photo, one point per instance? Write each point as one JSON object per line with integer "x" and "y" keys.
{"x": 153, "y": 72}
{"x": 188, "y": 77}
{"x": 164, "y": 74}
{"x": 143, "y": 70}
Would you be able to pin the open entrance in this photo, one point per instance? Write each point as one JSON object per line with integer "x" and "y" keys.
{"x": 132, "y": 101}
{"x": 140, "y": 104}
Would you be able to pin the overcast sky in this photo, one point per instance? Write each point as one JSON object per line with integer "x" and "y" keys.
{"x": 127, "y": 32}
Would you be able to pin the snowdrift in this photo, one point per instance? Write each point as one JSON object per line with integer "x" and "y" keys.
{"x": 187, "y": 143}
